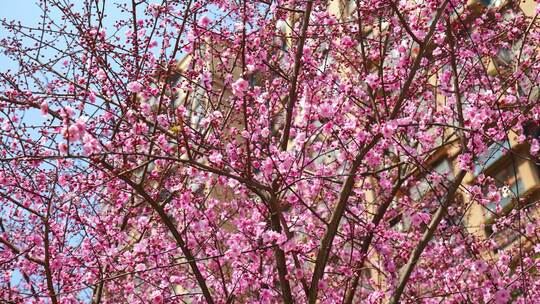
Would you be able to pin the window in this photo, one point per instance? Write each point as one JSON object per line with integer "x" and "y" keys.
{"x": 503, "y": 237}
{"x": 532, "y": 129}
{"x": 492, "y": 3}
{"x": 442, "y": 171}
{"x": 504, "y": 57}
{"x": 493, "y": 153}
{"x": 350, "y": 7}
{"x": 510, "y": 184}
{"x": 430, "y": 190}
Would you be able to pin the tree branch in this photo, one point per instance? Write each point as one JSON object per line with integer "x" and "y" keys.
{"x": 441, "y": 211}
{"x": 337, "y": 214}
{"x": 293, "y": 92}
{"x": 366, "y": 242}
{"x": 426, "y": 237}
{"x": 172, "y": 228}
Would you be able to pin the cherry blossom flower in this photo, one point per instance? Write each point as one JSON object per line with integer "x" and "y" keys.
{"x": 535, "y": 147}
{"x": 239, "y": 87}
{"x": 44, "y": 106}
{"x": 159, "y": 173}
{"x": 502, "y": 296}
{"x": 134, "y": 86}
{"x": 326, "y": 110}
{"x": 157, "y": 297}
{"x": 204, "y": 21}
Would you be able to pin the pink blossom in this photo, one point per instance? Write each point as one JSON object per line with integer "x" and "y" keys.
{"x": 267, "y": 167}
{"x": 464, "y": 161}
{"x": 389, "y": 129}
{"x": 175, "y": 279}
{"x": 239, "y": 87}
{"x": 502, "y": 296}
{"x": 494, "y": 195}
{"x": 146, "y": 108}
{"x": 346, "y": 41}
{"x": 265, "y": 132}
{"x": 134, "y": 86}
{"x": 63, "y": 147}
{"x": 420, "y": 218}
{"x": 216, "y": 157}
{"x": 44, "y": 106}
{"x": 140, "y": 267}
{"x": 535, "y": 147}
{"x": 373, "y": 81}
{"x": 101, "y": 75}
{"x": 68, "y": 111}
{"x": 140, "y": 247}
{"x": 480, "y": 266}
{"x": 92, "y": 97}
{"x": 530, "y": 228}
{"x": 225, "y": 189}
{"x": 204, "y": 21}
{"x": 90, "y": 144}
{"x": 326, "y": 110}
{"x": 157, "y": 297}
{"x": 81, "y": 123}
{"x": 299, "y": 273}
{"x": 74, "y": 133}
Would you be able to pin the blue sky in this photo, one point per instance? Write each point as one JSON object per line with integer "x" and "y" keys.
{"x": 28, "y": 12}
{"x": 21, "y": 9}
{"x": 25, "y": 11}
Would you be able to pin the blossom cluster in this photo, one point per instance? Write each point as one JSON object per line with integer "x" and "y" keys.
{"x": 270, "y": 152}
